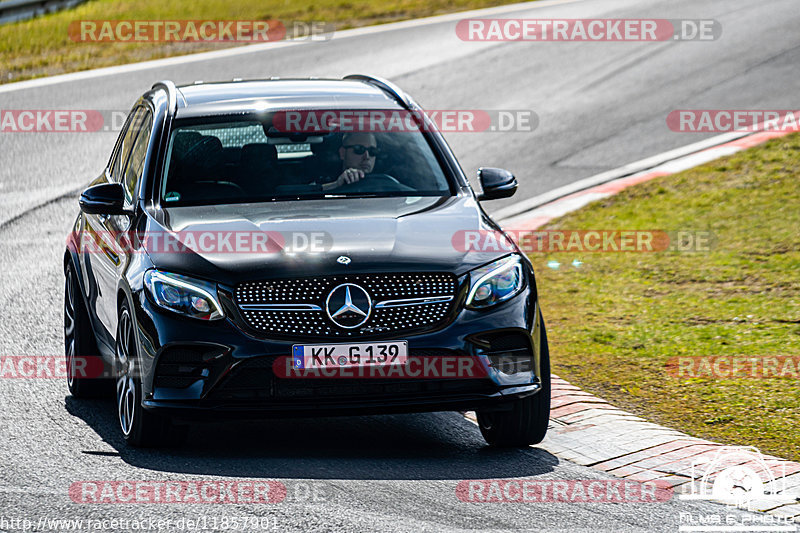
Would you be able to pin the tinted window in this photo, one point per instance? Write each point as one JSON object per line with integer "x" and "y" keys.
{"x": 124, "y": 148}
{"x": 117, "y": 153}
{"x": 133, "y": 170}
{"x": 249, "y": 161}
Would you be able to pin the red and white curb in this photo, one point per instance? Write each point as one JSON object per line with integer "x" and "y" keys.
{"x": 589, "y": 431}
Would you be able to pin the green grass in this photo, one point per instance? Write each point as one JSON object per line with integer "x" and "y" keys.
{"x": 42, "y": 47}
{"x": 615, "y": 321}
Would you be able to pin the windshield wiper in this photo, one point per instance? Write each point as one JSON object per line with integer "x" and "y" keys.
{"x": 364, "y": 195}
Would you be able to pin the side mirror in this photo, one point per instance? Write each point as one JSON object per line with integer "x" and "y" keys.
{"x": 103, "y": 199}
{"x": 496, "y": 183}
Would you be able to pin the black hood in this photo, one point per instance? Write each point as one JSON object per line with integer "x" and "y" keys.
{"x": 414, "y": 234}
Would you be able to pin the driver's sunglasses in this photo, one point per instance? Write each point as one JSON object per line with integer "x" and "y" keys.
{"x": 359, "y": 149}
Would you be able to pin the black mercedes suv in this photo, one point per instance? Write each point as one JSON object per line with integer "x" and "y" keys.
{"x": 298, "y": 247}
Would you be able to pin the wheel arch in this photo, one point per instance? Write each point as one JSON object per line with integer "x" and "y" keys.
{"x": 126, "y": 294}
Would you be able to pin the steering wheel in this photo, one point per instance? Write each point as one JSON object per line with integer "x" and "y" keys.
{"x": 377, "y": 182}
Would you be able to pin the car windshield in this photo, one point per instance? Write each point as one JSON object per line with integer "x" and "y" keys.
{"x": 235, "y": 161}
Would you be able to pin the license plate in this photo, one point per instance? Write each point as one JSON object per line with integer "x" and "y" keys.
{"x": 350, "y": 355}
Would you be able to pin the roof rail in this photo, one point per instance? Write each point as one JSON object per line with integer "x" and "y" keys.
{"x": 385, "y": 85}
{"x": 172, "y": 93}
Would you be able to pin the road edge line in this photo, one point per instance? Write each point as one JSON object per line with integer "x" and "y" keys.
{"x": 125, "y": 68}
{"x": 570, "y": 197}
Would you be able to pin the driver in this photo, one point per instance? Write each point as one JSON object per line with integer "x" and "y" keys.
{"x": 358, "y": 153}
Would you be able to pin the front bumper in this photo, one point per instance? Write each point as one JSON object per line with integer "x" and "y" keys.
{"x": 194, "y": 369}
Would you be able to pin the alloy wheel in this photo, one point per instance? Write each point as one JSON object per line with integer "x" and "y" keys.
{"x": 70, "y": 332}
{"x": 126, "y": 385}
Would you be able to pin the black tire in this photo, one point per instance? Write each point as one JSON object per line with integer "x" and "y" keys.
{"x": 140, "y": 427}
{"x": 526, "y": 423}
{"x": 84, "y": 364}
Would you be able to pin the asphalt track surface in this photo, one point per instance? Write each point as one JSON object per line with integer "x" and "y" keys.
{"x": 600, "y": 105}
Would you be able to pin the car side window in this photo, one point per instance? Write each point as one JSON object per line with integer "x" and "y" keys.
{"x": 135, "y": 165}
{"x": 124, "y": 148}
{"x": 117, "y": 152}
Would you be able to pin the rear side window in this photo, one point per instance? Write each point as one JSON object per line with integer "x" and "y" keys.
{"x": 133, "y": 170}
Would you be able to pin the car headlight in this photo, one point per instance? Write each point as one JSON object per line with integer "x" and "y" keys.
{"x": 495, "y": 282}
{"x": 184, "y": 295}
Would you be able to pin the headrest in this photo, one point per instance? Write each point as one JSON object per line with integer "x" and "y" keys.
{"x": 259, "y": 153}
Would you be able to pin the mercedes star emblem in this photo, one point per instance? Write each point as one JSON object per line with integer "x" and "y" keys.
{"x": 348, "y": 305}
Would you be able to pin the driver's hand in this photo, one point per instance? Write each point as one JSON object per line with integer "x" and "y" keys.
{"x": 350, "y": 175}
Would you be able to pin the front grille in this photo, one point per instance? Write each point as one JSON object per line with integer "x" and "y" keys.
{"x": 302, "y": 302}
